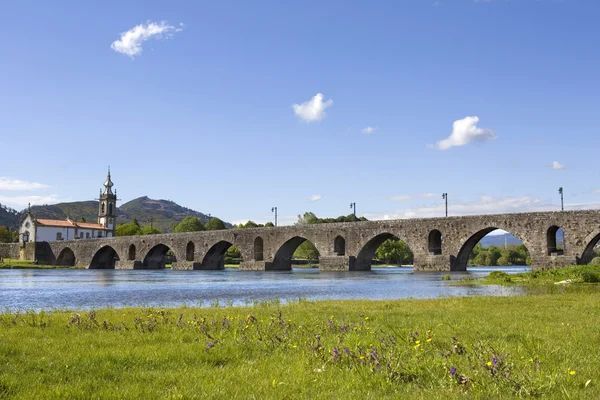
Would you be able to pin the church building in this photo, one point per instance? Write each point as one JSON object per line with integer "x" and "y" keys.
{"x": 47, "y": 230}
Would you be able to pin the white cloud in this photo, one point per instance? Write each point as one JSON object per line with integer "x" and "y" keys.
{"x": 313, "y": 109}
{"x": 597, "y": 191}
{"x": 23, "y": 201}
{"x": 465, "y": 131}
{"x": 15, "y": 184}
{"x": 368, "y": 130}
{"x": 556, "y": 165}
{"x": 402, "y": 197}
{"x": 315, "y": 197}
{"x": 131, "y": 41}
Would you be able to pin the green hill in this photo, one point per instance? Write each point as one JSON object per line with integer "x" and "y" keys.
{"x": 164, "y": 214}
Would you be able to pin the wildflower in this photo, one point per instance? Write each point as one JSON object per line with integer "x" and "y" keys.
{"x": 489, "y": 363}
{"x": 494, "y": 360}
{"x": 453, "y": 371}
{"x": 428, "y": 340}
{"x": 294, "y": 346}
{"x": 417, "y": 342}
{"x": 343, "y": 329}
{"x": 572, "y": 372}
{"x": 366, "y": 318}
{"x": 362, "y": 357}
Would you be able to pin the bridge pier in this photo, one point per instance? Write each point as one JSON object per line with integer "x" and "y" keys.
{"x": 336, "y": 263}
{"x": 431, "y": 262}
{"x": 552, "y": 262}
{"x": 256, "y": 266}
{"x": 128, "y": 264}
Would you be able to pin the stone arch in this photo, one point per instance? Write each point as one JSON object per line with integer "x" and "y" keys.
{"x": 588, "y": 253}
{"x": 339, "y": 246}
{"x": 459, "y": 263}
{"x": 258, "y": 249}
{"x": 435, "y": 242}
{"x": 552, "y": 242}
{"x": 215, "y": 256}
{"x": 157, "y": 257}
{"x": 366, "y": 253}
{"x": 131, "y": 252}
{"x": 66, "y": 258}
{"x": 105, "y": 258}
{"x": 283, "y": 257}
{"x": 189, "y": 251}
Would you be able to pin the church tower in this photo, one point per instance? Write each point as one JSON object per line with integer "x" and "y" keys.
{"x": 107, "y": 208}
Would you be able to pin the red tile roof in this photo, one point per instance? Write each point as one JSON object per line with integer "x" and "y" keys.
{"x": 69, "y": 223}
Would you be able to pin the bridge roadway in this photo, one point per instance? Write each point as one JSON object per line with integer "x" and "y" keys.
{"x": 438, "y": 244}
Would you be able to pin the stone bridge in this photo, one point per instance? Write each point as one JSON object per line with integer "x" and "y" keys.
{"x": 440, "y": 244}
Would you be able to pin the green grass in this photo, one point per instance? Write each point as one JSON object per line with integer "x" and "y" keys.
{"x": 500, "y": 347}
{"x": 572, "y": 274}
{"x": 8, "y": 263}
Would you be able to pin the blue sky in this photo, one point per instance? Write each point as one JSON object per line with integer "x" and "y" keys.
{"x": 194, "y": 102}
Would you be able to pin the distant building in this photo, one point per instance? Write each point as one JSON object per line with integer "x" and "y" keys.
{"x": 48, "y": 230}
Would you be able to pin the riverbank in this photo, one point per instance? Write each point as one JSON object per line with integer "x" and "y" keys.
{"x": 8, "y": 263}
{"x": 479, "y": 347}
{"x": 575, "y": 274}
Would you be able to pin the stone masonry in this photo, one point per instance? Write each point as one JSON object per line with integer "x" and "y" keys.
{"x": 438, "y": 244}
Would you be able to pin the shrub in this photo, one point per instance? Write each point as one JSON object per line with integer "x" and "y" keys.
{"x": 595, "y": 261}
{"x": 500, "y": 276}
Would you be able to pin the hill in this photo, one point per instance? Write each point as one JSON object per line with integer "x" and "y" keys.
{"x": 162, "y": 214}
{"x": 9, "y": 217}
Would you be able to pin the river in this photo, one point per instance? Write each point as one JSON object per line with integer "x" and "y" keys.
{"x": 46, "y": 289}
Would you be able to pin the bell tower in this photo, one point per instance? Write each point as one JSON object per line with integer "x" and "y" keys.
{"x": 107, "y": 207}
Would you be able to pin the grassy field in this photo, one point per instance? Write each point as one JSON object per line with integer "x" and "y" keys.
{"x": 8, "y": 263}
{"x": 543, "y": 345}
{"x": 567, "y": 275}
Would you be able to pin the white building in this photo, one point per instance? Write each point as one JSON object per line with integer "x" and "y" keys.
{"x": 47, "y": 230}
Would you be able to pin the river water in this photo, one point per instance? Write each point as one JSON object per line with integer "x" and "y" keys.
{"x": 30, "y": 289}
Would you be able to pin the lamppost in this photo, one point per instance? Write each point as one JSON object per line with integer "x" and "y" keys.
{"x": 562, "y": 206}
{"x": 274, "y": 209}
{"x": 445, "y": 197}
{"x": 353, "y": 207}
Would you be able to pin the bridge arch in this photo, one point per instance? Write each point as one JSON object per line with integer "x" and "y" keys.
{"x": 190, "y": 249}
{"x": 215, "y": 256}
{"x": 158, "y": 257}
{"x": 283, "y": 257}
{"x": 66, "y": 258}
{"x": 459, "y": 263}
{"x": 105, "y": 258}
{"x": 590, "y": 242}
{"x": 259, "y": 247}
{"x": 435, "y": 242}
{"x": 367, "y": 251}
{"x": 131, "y": 252}
{"x": 552, "y": 235}
{"x": 339, "y": 246}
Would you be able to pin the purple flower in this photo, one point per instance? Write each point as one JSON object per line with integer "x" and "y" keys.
{"x": 347, "y": 351}
{"x": 494, "y": 360}
{"x": 343, "y": 329}
{"x": 452, "y": 371}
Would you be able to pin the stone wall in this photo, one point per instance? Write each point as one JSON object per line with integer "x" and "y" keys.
{"x": 272, "y": 248}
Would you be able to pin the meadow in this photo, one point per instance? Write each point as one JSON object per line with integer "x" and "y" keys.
{"x": 538, "y": 345}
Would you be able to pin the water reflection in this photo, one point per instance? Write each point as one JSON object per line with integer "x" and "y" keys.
{"x": 84, "y": 289}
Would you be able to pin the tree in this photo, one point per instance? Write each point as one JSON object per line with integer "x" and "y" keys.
{"x": 269, "y": 225}
{"x": 189, "y": 224}
{"x": 307, "y": 218}
{"x": 147, "y": 230}
{"x": 128, "y": 229}
{"x": 233, "y": 252}
{"x": 394, "y": 251}
{"x": 7, "y": 236}
{"x": 215, "y": 224}
{"x": 307, "y": 251}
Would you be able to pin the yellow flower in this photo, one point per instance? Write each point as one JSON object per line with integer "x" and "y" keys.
{"x": 571, "y": 372}
{"x": 362, "y": 357}
{"x": 428, "y": 340}
{"x": 366, "y": 318}
{"x": 294, "y": 346}
{"x": 489, "y": 363}
{"x": 418, "y": 342}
